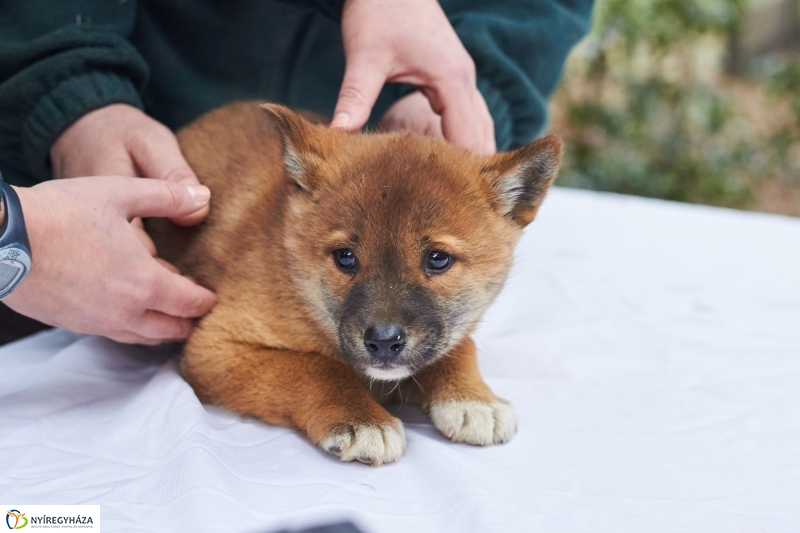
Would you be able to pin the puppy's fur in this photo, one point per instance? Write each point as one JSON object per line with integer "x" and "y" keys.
{"x": 286, "y": 342}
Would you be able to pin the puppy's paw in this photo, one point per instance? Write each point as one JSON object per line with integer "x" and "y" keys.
{"x": 475, "y": 422}
{"x": 372, "y": 444}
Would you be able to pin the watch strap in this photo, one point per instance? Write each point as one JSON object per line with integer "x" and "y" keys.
{"x": 13, "y": 230}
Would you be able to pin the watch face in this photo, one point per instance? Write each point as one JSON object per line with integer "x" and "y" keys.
{"x": 9, "y": 272}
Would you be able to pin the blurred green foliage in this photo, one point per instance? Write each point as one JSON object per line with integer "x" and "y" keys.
{"x": 786, "y": 83}
{"x": 647, "y": 110}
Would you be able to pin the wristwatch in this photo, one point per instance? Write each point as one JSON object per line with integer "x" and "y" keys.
{"x": 15, "y": 250}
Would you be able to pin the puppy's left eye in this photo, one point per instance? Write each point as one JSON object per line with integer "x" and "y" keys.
{"x": 438, "y": 261}
{"x": 345, "y": 259}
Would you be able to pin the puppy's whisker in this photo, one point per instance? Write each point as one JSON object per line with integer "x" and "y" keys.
{"x": 418, "y": 384}
{"x": 472, "y": 323}
{"x": 487, "y": 304}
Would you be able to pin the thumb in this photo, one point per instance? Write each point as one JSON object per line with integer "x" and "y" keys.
{"x": 157, "y": 198}
{"x": 159, "y": 156}
{"x": 363, "y": 81}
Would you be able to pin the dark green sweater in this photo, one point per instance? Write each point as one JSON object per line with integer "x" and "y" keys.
{"x": 179, "y": 58}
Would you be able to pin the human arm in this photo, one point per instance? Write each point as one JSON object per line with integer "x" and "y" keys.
{"x": 518, "y": 49}
{"x": 92, "y": 274}
{"x": 411, "y": 41}
{"x": 120, "y": 140}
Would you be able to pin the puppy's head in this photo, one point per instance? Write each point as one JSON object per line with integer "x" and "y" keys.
{"x": 398, "y": 242}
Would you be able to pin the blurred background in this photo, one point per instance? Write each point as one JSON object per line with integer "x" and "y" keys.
{"x": 689, "y": 100}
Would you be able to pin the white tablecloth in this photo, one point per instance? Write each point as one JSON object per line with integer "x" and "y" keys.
{"x": 651, "y": 349}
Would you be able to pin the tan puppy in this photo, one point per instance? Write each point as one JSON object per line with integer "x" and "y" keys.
{"x": 340, "y": 260}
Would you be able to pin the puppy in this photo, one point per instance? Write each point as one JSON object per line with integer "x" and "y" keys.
{"x": 350, "y": 269}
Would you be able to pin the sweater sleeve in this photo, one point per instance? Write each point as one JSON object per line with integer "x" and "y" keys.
{"x": 519, "y": 48}
{"x": 330, "y": 8}
{"x": 58, "y": 61}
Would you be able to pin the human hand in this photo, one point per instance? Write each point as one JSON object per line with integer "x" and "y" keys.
{"x": 120, "y": 140}
{"x": 92, "y": 274}
{"x": 411, "y": 41}
{"x": 413, "y": 112}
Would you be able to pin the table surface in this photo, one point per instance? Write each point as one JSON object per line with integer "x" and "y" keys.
{"x": 651, "y": 349}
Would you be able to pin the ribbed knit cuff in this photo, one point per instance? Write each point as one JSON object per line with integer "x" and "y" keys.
{"x": 65, "y": 104}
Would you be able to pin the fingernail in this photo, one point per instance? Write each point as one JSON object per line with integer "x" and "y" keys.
{"x": 199, "y": 193}
{"x": 341, "y": 120}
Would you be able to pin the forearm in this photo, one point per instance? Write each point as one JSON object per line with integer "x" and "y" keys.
{"x": 87, "y": 257}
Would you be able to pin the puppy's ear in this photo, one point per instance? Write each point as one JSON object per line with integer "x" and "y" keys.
{"x": 302, "y": 155}
{"x": 519, "y": 179}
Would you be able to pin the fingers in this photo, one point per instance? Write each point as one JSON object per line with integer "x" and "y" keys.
{"x": 382, "y": 44}
{"x": 144, "y": 238}
{"x": 485, "y": 124}
{"x": 413, "y": 112}
{"x": 466, "y": 120}
{"x": 157, "y": 198}
{"x": 91, "y": 145}
{"x": 155, "y": 328}
{"x": 161, "y": 327}
{"x": 103, "y": 164}
{"x": 363, "y": 81}
{"x": 178, "y": 296}
{"x": 158, "y": 155}
{"x": 169, "y": 266}
{"x": 176, "y": 304}
{"x": 127, "y": 337}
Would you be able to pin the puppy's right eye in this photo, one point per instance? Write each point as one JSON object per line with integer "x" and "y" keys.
{"x": 345, "y": 259}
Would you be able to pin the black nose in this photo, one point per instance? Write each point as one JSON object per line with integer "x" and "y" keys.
{"x": 385, "y": 342}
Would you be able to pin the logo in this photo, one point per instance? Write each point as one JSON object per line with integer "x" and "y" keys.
{"x": 50, "y": 518}
{"x": 17, "y": 517}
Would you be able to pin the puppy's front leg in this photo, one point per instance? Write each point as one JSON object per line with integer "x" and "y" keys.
{"x": 452, "y": 392}
{"x": 312, "y": 393}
